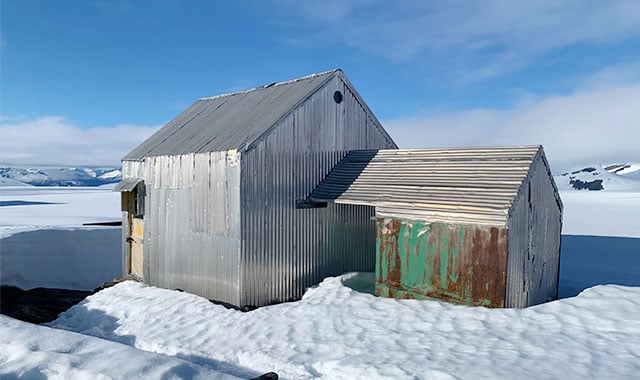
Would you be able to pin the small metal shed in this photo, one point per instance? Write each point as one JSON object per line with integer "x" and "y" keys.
{"x": 215, "y": 203}
{"x": 474, "y": 226}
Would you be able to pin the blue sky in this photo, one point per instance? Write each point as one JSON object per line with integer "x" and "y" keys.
{"x": 83, "y": 82}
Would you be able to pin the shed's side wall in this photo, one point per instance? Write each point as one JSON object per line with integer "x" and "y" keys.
{"x": 192, "y": 223}
{"x": 534, "y": 241}
{"x": 285, "y": 250}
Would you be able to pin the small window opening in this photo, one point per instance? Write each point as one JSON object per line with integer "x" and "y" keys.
{"x": 139, "y": 200}
{"x": 337, "y": 96}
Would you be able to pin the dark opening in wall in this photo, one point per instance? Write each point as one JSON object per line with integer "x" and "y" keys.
{"x": 337, "y": 96}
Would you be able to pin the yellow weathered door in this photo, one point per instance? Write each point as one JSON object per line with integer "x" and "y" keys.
{"x": 137, "y": 245}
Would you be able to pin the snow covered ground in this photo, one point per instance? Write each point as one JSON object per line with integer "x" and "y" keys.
{"x": 339, "y": 330}
{"x": 335, "y": 332}
{"x": 37, "y": 352}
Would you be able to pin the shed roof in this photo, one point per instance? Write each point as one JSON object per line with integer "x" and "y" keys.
{"x": 455, "y": 185}
{"x": 230, "y": 121}
{"x": 127, "y": 184}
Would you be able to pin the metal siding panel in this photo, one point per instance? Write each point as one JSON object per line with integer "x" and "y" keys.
{"x": 534, "y": 240}
{"x": 545, "y": 238}
{"x": 463, "y": 264}
{"x": 132, "y": 169}
{"x": 189, "y": 246}
{"x": 518, "y": 246}
{"x": 285, "y": 250}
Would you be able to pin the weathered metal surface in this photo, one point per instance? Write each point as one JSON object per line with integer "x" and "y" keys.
{"x": 288, "y": 249}
{"x": 456, "y": 185}
{"x": 192, "y": 224}
{"x": 461, "y": 264}
{"x": 535, "y": 225}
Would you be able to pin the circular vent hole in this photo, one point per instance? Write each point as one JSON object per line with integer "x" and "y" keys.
{"x": 337, "y": 96}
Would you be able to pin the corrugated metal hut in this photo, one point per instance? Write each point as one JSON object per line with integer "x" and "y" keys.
{"x": 474, "y": 226}
{"x": 215, "y": 203}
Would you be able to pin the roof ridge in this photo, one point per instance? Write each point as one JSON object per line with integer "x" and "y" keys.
{"x": 306, "y": 77}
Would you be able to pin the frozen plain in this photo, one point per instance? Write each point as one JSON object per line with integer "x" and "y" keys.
{"x": 339, "y": 330}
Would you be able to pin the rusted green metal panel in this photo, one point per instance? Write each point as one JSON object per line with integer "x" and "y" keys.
{"x": 462, "y": 264}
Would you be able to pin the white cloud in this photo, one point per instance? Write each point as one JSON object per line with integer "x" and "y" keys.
{"x": 490, "y": 37}
{"x": 592, "y": 125}
{"x": 54, "y": 140}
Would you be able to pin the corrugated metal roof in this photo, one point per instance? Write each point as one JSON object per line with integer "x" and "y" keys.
{"x": 230, "y": 121}
{"x": 456, "y": 185}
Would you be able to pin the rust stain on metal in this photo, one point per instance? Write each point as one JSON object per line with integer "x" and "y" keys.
{"x": 389, "y": 245}
{"x": 456, "y": 263}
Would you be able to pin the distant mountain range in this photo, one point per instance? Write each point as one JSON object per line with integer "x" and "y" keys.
{"x": 602, "y": 177}
{"x": 58, "y": 176}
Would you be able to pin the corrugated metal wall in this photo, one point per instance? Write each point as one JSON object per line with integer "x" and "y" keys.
{"x": 534, "y": 240}
{"x": 284, "y": 249}
{"x": 132, "y": 169}
{"x": 192, "y": 223}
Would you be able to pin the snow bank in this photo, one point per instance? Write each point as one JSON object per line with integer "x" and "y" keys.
{"x": 335, "y": 332}
{"x": 36, "y": 352}
{"x": 68, "y": 258}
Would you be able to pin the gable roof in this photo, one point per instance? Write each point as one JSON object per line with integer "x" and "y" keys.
{"x": 454, "y": 185}
{"x": 230, "y": 121}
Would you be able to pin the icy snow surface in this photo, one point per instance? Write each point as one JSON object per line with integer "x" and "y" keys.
{"x": 30, "y": 351}
{"x": 339, "y": 333}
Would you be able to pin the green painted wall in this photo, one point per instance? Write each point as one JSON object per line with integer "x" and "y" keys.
{"x": 462, "y": 264}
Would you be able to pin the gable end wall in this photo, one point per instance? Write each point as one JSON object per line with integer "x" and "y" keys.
{"x": 534, "y": 240}
{"x": 285, "y": 250}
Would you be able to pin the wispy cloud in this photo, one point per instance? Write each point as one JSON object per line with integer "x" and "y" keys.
{"x": 492, "y": 37}
{"x": 55, "y": 140}
{"x": 595, "y": 124}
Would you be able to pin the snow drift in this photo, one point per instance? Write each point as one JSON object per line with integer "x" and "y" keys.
{"x": 336, "y": 332}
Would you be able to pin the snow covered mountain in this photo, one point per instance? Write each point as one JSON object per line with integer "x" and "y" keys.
{"x": 58, "y": 176}
{"x": 602, "y": 177}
